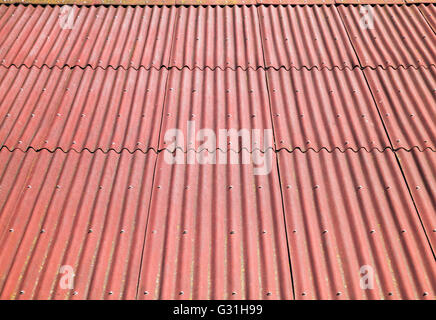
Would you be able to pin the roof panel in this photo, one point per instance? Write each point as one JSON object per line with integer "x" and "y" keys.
{"x": 223, "y": 102}
{"x": 407, "y": 103}
{"x": 217, "y": 37}
{"x": 315, "y": 109}
{"x": 230, "y": 243}
{"x": 305, "y": 36}
{"x": 34, "y": 36}
{"x": 420, "y": 171}
{"x": 400, "y": 37}
{"x": 429, "y": 13}
{"x": 301, "y": 2}
{"x": 84, "y": 210}
{"x": 81, "y": 108}
{"x": 348, "y": 210}
{"x": 364, "y": 2}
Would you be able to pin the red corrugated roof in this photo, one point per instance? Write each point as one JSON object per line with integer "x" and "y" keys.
{"x": 346, "y": 179}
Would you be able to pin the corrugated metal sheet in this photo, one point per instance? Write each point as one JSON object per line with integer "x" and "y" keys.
{"x": 400, "y": 37}
{"x": 32, "y": 35}
{"x": 429, "y": 13}
{"x": 217, "y": 100}
{"x": 230, "y": 243}
{"x": 315, "y": 109}
{"x": 86, "y": 210}
{"x": 406, "y": 99}
{"x": 209, "y": 2}
{"x": 371, "y": 2}
{"x": 305, "y": 36}
{"x": 300, "y": 2}
{"x": 81, "y": 108}
{"x": 348, "y": 210}
{"x": 420, "y": 171}
{"x": 132, "y": 225}
{"x": 217, "y": 37}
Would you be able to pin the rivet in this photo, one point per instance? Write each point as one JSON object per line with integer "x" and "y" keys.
{"x": 268, "y": 293}
{"x": 390, "y": 294}
{"x": 403, "y": 231}
{"x": 181, "y": 292}
{"x": 11, "y": 230}
{"x": 130, "y": 187}
{"x": 304, "y": 293}
{"x": 29, "y": 186}
{"x": 233, "y": 293}
{"x": 232, "y": 232}
{"x": 324, "y": 232}
{"x": 146, "y": 292}
{"x": 42, "y": 230}
{"x": 75, "y": 293}
{"x": 418, "y": 187}
{"x": 90, "y": 231}
{"x": 110, "y": 292}
{"x": 316, "y": 187}
{"x": 338, "y": 293}
{"x": 185, "y": 231}
{"x": 22, "y": 292}
{"x": 425, "y": 294}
